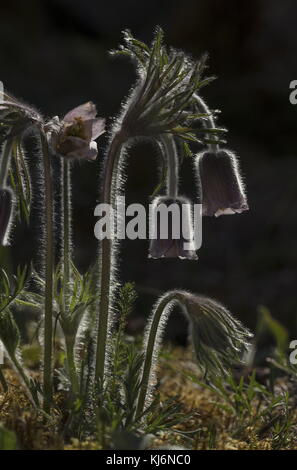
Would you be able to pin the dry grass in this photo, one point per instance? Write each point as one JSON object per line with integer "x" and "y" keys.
{"x": 209, "y": 423}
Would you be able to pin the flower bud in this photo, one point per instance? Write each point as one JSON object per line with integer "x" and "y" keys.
{"x": 171, "y": 229}
{"x": 218, "y": 338}
{"x": 6, "y": 206}
{"x": 221, "y": 187}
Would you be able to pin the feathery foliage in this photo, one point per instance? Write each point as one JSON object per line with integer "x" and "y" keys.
{"x": 163, "y": 100}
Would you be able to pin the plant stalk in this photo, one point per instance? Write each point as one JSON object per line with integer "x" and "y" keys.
{"x": 5, "y": 161}
{"x": 66, "y": 227}
{"x": 67, "y": 236}
{"x": 150, "y": 348}
{"x": 3, "y": 381}
{"x": 213, "y": 147}
{"x": 172, "y": 164}
{"x": 71, "y": 365}
{"x": 105, "y": 267}
{"x": 49, "y": 266}
{"x": 24, "y": 377}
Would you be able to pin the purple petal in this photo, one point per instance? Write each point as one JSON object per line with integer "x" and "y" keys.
{"x": 93, "y": 128}
{"x": 220, "y": 183}
{"x": 71, "y": 144}
{"x": 98, "y": 128}
{"x": 88, "y": 152}
{"x": 173, "y": 247}
{"x": 170, "y": 249}
{"x": 85, "y": 111}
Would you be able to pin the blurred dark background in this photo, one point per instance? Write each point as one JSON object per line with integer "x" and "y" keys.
{"x": 54, "y": 55}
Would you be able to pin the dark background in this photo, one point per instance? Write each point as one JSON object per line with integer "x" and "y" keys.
{"x": 54, "y": 55}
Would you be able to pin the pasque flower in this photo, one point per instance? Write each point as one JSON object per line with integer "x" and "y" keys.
{"x": 221, "y": 186}
{"x": 77, "y": 132}
{"x": 172, "y": 229}
{"x": 219, "y": 340}
{"x": 6, "y": 202}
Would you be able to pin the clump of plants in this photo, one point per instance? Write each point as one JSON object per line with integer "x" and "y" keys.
{"x": 103, "y": 386}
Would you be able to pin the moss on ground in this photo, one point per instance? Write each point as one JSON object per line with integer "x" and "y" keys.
{"x": 253, "y": 418}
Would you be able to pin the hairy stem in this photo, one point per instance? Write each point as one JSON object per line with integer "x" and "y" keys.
{"x": 5, "y": 161}
{"x": 110, "y": 177}
{"x": 49, "y": 266}
{"x": 3, "y": 381}
{"x": 67, "y": 237}
{"x": 66, "y": 226}
{"x": 150, "y": 348}
{"x": 71, "y": 365}
{"x": 24, "y": 378}
{"x": 105, "y": 267}
{"x": 202, "y": 106}
{"x": 172, "y": 164}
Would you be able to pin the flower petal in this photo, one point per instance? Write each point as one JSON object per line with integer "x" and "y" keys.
{"x": 93, "y": 128}
{"x": 72, "y": 144}
{"x": 86, "y": 152}
{"x": 98, "y": 128}
{"x": 220, "y": 183}
{"x": 176, "y": 241}
{"x": 85, "y": 111}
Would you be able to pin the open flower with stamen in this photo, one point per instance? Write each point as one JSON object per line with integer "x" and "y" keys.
{"x": 221, "y": 186}
{"x": 78, "y": 130}
{"x": 172, "y": 229}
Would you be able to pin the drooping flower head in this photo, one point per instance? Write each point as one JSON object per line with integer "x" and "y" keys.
{"x": 172, "y": 229}
{"x": 76, "y": 136}
{"x": 221, "y": 186}
{"x": 220, "y": 341}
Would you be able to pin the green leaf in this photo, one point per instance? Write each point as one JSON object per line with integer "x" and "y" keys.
{"x": 277, "y": 330}
{"x": 9, "y": 332}
{"x": 7, "y": 439}
{"x": 187, "y": 152}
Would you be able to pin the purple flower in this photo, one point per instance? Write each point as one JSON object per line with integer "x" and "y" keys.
{"x": 221, "y": 186}
{"x": 79, "y": 129}
{"x": 6, "y": 203}
{"x": 171, "y": 229}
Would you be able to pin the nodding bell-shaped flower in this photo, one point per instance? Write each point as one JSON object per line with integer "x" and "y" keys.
{"x": 221, "y": 185}
{"x": 171, "y": 229}
{"x": 76, "y": 136}
{"x": 6, "y": 206}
